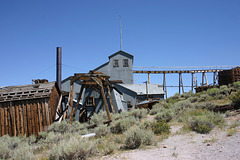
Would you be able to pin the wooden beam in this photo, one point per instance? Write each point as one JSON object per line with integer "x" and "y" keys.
{"x": 66, "y": 107}
{"x": 71, "y": 103}
{"x": 179, "y": 71}
{"x": 58, "y": 107}
{"x": 110, "y": 99}
{"x": 149, "y": 78}
{"x": 206, "y": 78}
{"x": 97, "y": 80}
{"x": 78, "y": 100}
{"x": 2, "y": 120}
{"x": 165, "y": 84}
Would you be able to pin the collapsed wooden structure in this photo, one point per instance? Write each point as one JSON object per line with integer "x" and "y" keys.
{"x": 94, "y": 80}
{"x": 28, "y": 109}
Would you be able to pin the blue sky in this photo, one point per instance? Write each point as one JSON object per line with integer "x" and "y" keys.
{"x": 156, "y": 32}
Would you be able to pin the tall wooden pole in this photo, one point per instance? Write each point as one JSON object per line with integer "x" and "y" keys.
{"x": 192, "y": 81}
{"x": 71, "y": 103}
{"x": 179, "y": 87}
{"x": 149, "y": 78}
{"x": 165, "y": 84}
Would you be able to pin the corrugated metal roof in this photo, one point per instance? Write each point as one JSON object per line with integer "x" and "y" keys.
{"x": 12, "y": 93}
{"x": 140, "y": 89}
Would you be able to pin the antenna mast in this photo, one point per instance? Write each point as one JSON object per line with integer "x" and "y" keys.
{"x": 120, "y": 33}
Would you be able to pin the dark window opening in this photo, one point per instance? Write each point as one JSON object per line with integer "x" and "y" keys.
{"x": 125, "y": 63}
{"x": 90, "y": 101}
{"x": 115, "y": 63}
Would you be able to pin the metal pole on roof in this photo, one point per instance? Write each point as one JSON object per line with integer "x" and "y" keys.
{"x": 120, "y": 34}
{"x": 59, "y": 67}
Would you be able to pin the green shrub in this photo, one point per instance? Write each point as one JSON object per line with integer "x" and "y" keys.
{"x": 224, "y": 89}
{"x": 213, "y": 91}
{"x": 52, "y": 138}
{"x": 146, "y": 125}
{"x": 138, "y": 113}
{"x": 42, "y": 135}
{"x": 148, "y": 137}
{"x": 161, "y": 127}
{"x": 166, "y": 115}
{"x": 80, "y": 128}
{"x": 155, "y": 109}
{"x": 236, "y": 85}
{"x": 193, "y": 99}
{"x": 205, "y": 105}
{"x": 122, "y": 125}
{"x": 186, "y": 95}
{"x": 203, "y": 98}
{"x": 175, "y": 96}
{"x": 121, "y": 115}
{"x": 59, "y": 127}
{"x": 4, "y": 149}
{"x": 228, "y": 113}
{"x": 102, "y": 130}
{"x": 73, "y": 148}
{"x": 220, "y": 96}
{"x": 32, "y": 139}
{"x": 182, "y": 106}
{"x": 133, "y": 138}
{"x": 231, "y": 131}
{"x": 23, "y": 152}
{"x": 99, "y": 118}
{"x": 108, "y": 148}
{"x": 235, "y": 124}
{"x": 201, "y": 125}
{"x": 9, "y": 144}
{"x": 235, "y": 97}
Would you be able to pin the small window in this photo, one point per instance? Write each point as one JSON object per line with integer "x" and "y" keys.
{"x": 129, "y": 104}
{"x": 90, "y": 101}
{"x": 125, "y": 63}
{"x": 115, "y": 63}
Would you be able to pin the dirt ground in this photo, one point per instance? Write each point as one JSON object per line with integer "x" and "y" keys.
{"x": 191, "y": 146}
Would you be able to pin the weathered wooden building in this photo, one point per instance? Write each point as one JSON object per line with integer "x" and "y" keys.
{"x": 120, "y": 70}
{"x": 28, "y": 109}
{"x": 229, "y": 76}
{"x": 119, "y": 67}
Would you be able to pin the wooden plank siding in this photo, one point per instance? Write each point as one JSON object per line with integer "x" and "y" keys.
{"x": 53, "y": 101}
{"x": 29, "y": 116}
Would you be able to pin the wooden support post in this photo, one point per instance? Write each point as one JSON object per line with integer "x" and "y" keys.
{"x": 110, "y": 98}
{"x": 195, "y": 80}
{"x": 149, "y": 78}
{"x": 99, "y": 82}
{"x": 206, "y": 78}
{"x": 179, "y": 87}
{"x": 165, "y": 84}
{"x": 66, "y": 107}
{"x": 71, "y": 103}
{"x": 58, "y": 107}
{"x": 182, "y": 84}
{"x": 78, "y": 100}
{"x": 214, "y": 78}
{"x": 202, "y": 78}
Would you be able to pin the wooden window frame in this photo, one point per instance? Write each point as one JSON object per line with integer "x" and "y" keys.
{"x": 125, "y": 63}
{"x": 115, "y": 64}
{"x": 87, "y": 102}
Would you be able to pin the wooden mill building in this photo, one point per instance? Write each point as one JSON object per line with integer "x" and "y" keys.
{"x": 28, "y": 109}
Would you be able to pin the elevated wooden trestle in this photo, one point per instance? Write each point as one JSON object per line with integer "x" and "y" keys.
{"x": 180, "y": 71}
